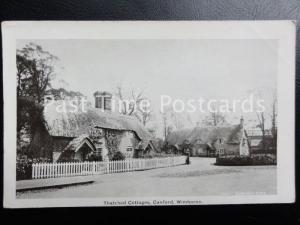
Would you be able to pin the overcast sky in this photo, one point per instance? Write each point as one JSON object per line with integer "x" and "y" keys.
{"x": 179, "y": 68}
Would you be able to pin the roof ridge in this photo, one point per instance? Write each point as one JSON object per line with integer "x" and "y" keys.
{"x": 109, "y": 113}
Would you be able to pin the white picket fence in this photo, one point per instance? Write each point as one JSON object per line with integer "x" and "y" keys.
{"x": 52, "y": 170}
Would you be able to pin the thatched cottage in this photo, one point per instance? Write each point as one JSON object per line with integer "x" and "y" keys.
{"x": 260, "y": 144}
{"x": 211, "y": 141}
{"x": 96, "y": 132}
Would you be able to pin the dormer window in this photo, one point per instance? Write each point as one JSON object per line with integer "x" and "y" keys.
{"x": 220, "y": 141}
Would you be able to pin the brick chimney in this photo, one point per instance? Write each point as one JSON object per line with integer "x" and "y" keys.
{"x": 103, "y": 100}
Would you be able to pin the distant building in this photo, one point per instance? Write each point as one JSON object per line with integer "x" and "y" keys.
{"x": 96, "y": 133}
{"x": 211, "y": 141}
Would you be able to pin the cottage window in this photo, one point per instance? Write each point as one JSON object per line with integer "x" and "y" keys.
{"x": 129, "y": 149}
{"x": 221, "y": 151}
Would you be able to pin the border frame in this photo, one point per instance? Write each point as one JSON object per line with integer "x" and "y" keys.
{"x": 283, "y": 31}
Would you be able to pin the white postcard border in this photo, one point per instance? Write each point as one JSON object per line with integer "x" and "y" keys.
{"x": 283, "y": 31}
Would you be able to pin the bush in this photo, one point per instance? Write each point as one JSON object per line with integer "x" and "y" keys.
{"x": 246, "y": 160}
{"x": 118, "y": 156}
{"x": 24, "y": 170}
{"x": 24, "y": 166}
{"x": 269, "y": 159}
{"x": 147, "y": 156}
{"x": 95, "y": 158}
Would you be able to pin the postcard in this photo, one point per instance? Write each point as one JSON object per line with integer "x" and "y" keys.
{"x": 148, "y": 113}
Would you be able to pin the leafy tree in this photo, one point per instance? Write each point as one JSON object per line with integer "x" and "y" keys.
{"x": 35, "y": 70}
{"x": 61, "y": 94}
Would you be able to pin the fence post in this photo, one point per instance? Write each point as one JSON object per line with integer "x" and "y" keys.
{"x": 94, "y": 168}
{"x": 46, "y": 170}
{"x": 65, "y": 169}
{"x": 42, "y": 170}
{"x": 32, "y": 171}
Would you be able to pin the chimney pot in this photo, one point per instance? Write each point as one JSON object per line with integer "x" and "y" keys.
{"x": 103, "y": 100}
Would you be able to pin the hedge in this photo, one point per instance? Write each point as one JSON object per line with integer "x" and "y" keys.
{"x": 246, "y": 160}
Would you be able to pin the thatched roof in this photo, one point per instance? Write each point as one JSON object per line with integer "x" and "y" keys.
{"x": 145, "y": 143}
{"x": 207, "y": 135}
{"x": 66, "y": 123}
{"x": 258, "y": 133}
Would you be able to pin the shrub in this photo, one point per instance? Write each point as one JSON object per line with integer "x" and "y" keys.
{"x": 95, "y": 158}
{"x": 24, "y": 166}
{"x": 118, "y": 156}
{"x": 24, "y": 170}
{"x": 246, "y": 160}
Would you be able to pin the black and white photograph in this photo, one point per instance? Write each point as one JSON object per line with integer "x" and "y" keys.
{"x": 148, "y": 113}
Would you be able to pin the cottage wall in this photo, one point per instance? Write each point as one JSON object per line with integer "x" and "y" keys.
{"x": 221, "y": 147}
{"x": 101, "y": 146}
{"x": 128, "y": 144}
{"x": 199, "y": 150}
{"x": 232, "y": 149}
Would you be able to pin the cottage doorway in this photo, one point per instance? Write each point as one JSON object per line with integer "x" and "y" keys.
{"x": 82, "y": 154}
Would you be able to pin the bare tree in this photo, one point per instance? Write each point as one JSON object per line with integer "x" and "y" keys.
{"x": 215, "y": 118}
{"x": 274, "y": 121}
{"x": 129, "y": 105}
{"x": 143, "y": 115}
{"x": 261, "y": 125}
{"x": 177, "y": 120}
{"x": 167, "y": 129}
{"x": 164, "y": 118}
